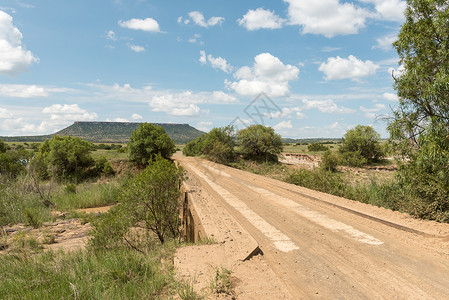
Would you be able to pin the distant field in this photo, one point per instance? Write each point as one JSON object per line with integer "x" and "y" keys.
{"x": 294, "y": 148}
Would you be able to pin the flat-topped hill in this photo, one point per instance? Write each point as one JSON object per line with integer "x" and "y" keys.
{"x": 113, "y": 132}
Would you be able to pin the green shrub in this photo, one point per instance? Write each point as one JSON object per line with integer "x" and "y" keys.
{"x": 364, "y": 141}
{"x": 63, "y": 158}
{"x": 150, "y": 199}
{"x": 320, "y": 180}
{"x": 315, "y": 147}
{"x": 329, "y": 161}
{"x": 195, "y": 147}
{"x": 352, "y": 159}
{"x": 103, "y": 166}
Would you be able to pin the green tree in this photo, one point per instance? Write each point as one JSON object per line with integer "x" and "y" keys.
{"x": 195, "y": 147}
{"x": 3, "y": 146}
{"x": 150, "y": 201}
{"x": 13, "y": 162}
{"x": 259, "y": 143}
{"x": 219, "y": 144}
{"x": 363, "y": 140}
{"x": 147, "y": 141}
{"x": 419, "y": 128}
{"x": 63, "y": 158}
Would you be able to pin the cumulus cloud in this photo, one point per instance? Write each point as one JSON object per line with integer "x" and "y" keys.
{"x": 204, "y": 125}
{"x": 386, "y": 42}
{"x": 196, "y": 39}
{"x": 122, "y": 120}
{"x": 268, "y": 75}
{"x": 63, "y": 115}
{"x": 14, "y": 58}
{"x": 377, "y": 107}
{"x": 287, "y": 112}
{"x": 260, "y": 19}
{"x": 326, "y": 106}
{"x": 55, "y": 117}
{"x": 283, "y": 125}
{"x": 148, "y": 24}
{"x": 198, "y": 19}
{"x": 216, "y": 62}
{"x": 396, "y": 72}
{"x": 390, "y": 10}
{"x": 390, "y": 96}
{"x": 136, "y": 48}
{"x": 371, "y": 113}
{"x": 187, "y": 103}
{"x": 23, "y": 91}
{"x": 352, "y": 68}
{"x": 136, "y": 117}
{"x": 110, "y": 35}
{"x": 327, "y": 17}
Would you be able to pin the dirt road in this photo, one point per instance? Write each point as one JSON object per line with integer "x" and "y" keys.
{"x": 329, "y": 247}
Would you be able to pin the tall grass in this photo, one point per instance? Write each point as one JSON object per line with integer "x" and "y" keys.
{"x": 20, "y": 204}
{"x": 384, "y": 194}
{"x": 101, "y": 274}
{"x": 87, "y": 195}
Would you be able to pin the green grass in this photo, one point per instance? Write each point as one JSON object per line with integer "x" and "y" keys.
{"x": 87, "y": 195}
{"x": 111, "y": 155}
{"x": 20, "y": 203}
{"x": 101, "y": 274}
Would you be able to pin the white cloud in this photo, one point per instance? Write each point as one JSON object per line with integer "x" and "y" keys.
{"x": 63, "y": 115}
{"x": 327, "y": 17}
{"x": 353, "y": 68}
{"x": 268, "y": 75}
{"x": 136, "y": 117}
{"x": 287, "y": 112}
{"x": 175, "y": 105}
{"x": 204, "y": 126}
{"x": 22, "y": 91}
{"x": 196, "y": 39}
{"x": 390, "y": 96}
{"x": 390, "y": 10}
{"x": 136, "y": 48}
{"x": 5, "y": 114}
{"x": 110, "y": 35}
{"x": 396, "y": 72}
{"x": 14, "y": 58}
{"x": 326, "y": 106}
{"x": 223, "y": 98}
{"x": 330, "y": 49}
{"x": 198, "y": 18}
{"x": 148, "y": 24}
{"x": 186, "y": 103}
{"x": 283, "y": 125}
{"x": 123, "y": 120}
{"x": 385, "y": 43}
{"x": 216, "y": 62}
{"x": 377, "y": 107}
{"x": 260, "y": 19}
{"x": 54, "y": 118}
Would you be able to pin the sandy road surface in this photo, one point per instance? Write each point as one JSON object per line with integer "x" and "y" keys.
{"x": 328, "y": 247}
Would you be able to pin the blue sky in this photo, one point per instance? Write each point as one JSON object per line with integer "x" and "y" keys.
{"x": 314, "y": 68}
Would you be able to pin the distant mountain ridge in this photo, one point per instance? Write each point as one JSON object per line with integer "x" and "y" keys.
{"x": 113, "y": 132}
